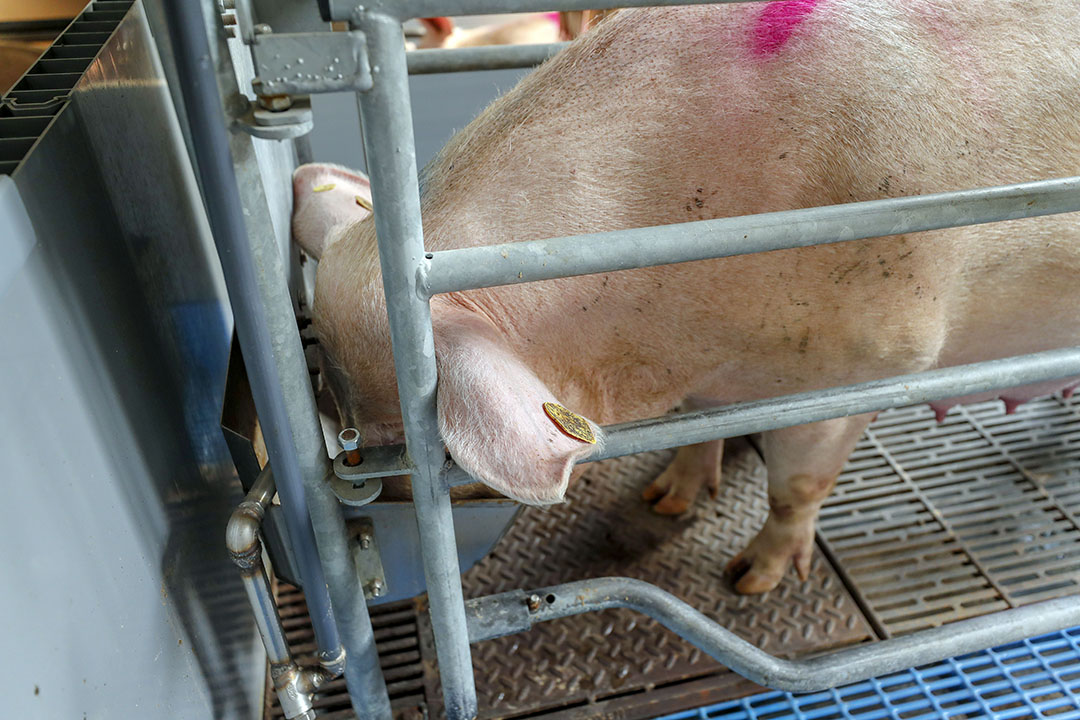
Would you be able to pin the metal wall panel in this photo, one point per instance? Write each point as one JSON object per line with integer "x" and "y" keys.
{"x": 114, "y": 582}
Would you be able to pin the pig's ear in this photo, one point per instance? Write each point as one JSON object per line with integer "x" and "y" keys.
{"x": 327, "y": 199}
{"x": 491, "y": 412}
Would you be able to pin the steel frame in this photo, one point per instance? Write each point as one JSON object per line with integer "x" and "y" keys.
{"x": 412, "y": 276}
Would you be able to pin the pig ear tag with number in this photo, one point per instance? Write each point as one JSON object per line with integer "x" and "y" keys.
{"x": 570, "y": 423}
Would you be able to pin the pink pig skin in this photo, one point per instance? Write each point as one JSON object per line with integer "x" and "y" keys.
{"x": 667, "y": 115}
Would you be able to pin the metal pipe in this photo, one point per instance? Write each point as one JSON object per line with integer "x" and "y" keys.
{"x": 274, "y": 358}
{"x": 511, "y": 612}
{"x": 294, "y": 685}
{"x": 510, "y": 263}
{"x": 496, "y": 57}
{"x": 668, "y": 431}
{"x": 820, "y": 673}
{"x": 407, "y": 9}
{"x": 388, "y": 146}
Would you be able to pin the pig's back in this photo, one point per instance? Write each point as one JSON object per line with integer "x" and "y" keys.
{"x": 671, "y": 114}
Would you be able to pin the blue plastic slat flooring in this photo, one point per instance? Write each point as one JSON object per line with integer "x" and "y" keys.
{"x": 1036, "y": 678}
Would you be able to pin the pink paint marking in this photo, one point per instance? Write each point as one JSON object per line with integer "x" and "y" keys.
{"x": 553, "y": 17}
{"x": 777, "y": 22}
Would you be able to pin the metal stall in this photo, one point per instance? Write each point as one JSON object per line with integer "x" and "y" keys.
{"x": 370, "y": 59}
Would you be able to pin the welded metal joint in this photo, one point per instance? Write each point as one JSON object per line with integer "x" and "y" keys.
{"x": 295, "y": 687}
{"x": 242, "y": 530}
{"x": 242, "y": 537}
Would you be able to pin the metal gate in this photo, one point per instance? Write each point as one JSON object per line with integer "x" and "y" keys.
{"x": 371, "y": 60}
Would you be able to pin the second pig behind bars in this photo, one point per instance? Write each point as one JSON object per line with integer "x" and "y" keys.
{"x": 668, "y": 115}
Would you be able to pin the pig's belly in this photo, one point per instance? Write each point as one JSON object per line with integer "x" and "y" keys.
{"x": 1012, "y": 397}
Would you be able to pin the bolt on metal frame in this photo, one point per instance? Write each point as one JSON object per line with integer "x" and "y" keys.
{"x": 411, "y": 276}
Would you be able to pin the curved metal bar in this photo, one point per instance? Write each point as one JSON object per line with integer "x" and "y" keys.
{"x": 294, "y": 685}
{"x": 508, "y": 613}
{"x": 496, "y": 57}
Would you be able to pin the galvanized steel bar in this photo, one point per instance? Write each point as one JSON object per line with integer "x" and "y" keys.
{"x": 759, "y": 416}
{"x": 407, "y": 9}
{"x": 511, "y": 612}
{"x": 670, "y": 431}
{"x": 280, "y": 383}
{"x": 388, "y": 144}
{"x": 510, "y": 263}
{"x": 497, "y": 57}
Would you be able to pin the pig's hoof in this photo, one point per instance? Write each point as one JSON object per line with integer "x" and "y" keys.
{"x": 672, "y": 493}
{"x": 670, "y": 505}
{"x": 761, "y": 566}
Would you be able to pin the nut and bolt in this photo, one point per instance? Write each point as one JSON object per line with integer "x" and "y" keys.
{"x": 349, "y": 440}
{"x": 365, "y": 541}
{"x": 277, "y": 103}
{"x": 534, "y": 603}
{"x": 377, "y": 587}
{"x": 262, "y": 29}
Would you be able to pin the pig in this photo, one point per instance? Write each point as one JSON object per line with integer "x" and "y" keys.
{"x": 533, "y": 28}
{"x": 666, "y": 115}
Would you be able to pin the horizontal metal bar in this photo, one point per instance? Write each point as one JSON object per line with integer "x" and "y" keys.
{"x": 407, "y": 9}
{"x": 515, "y": 611}
{"x": 670, "y": 431}
{"x": 510, "y": 263}
{"x": 495, "y": 57}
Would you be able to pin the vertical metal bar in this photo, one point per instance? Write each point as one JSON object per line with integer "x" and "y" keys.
{"x": 273, "y": 354}
{"x": 391, "y": 158}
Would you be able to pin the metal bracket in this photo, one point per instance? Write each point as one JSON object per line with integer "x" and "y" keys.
{"x": 368, "y": 562}
{"x": 305, "y": 63}
{"x": 378, "y": 461}
{"x": 359, "y": 484}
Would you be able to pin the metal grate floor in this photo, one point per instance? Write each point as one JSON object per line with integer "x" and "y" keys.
{"x": 936, "y": 522}
{"x": 399, "y": 655}
{"x": 1037, "y": 678}
{"x": 929, "y": 523}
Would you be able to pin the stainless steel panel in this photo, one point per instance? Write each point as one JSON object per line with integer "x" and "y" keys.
{"x": 118, "y": 480}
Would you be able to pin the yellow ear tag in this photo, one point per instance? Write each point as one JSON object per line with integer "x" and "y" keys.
{"x": 324, "y": 188}
{"x": 570, "y": 423}
{"x": 364, "y": 203}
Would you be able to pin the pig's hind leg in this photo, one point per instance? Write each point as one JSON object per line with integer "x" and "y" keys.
{"x": 678, "y": 487}
{"x": 675, "y": 491}
{"x": 802, "y": 464}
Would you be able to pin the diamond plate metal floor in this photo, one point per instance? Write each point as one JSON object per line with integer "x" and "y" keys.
{"x": 618, "y": 663}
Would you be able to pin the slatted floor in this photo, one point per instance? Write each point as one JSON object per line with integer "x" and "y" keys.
{"x": 929, "y": 523}
{"x": 935, "y": 522}
{"x": 1038, "y": 678}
